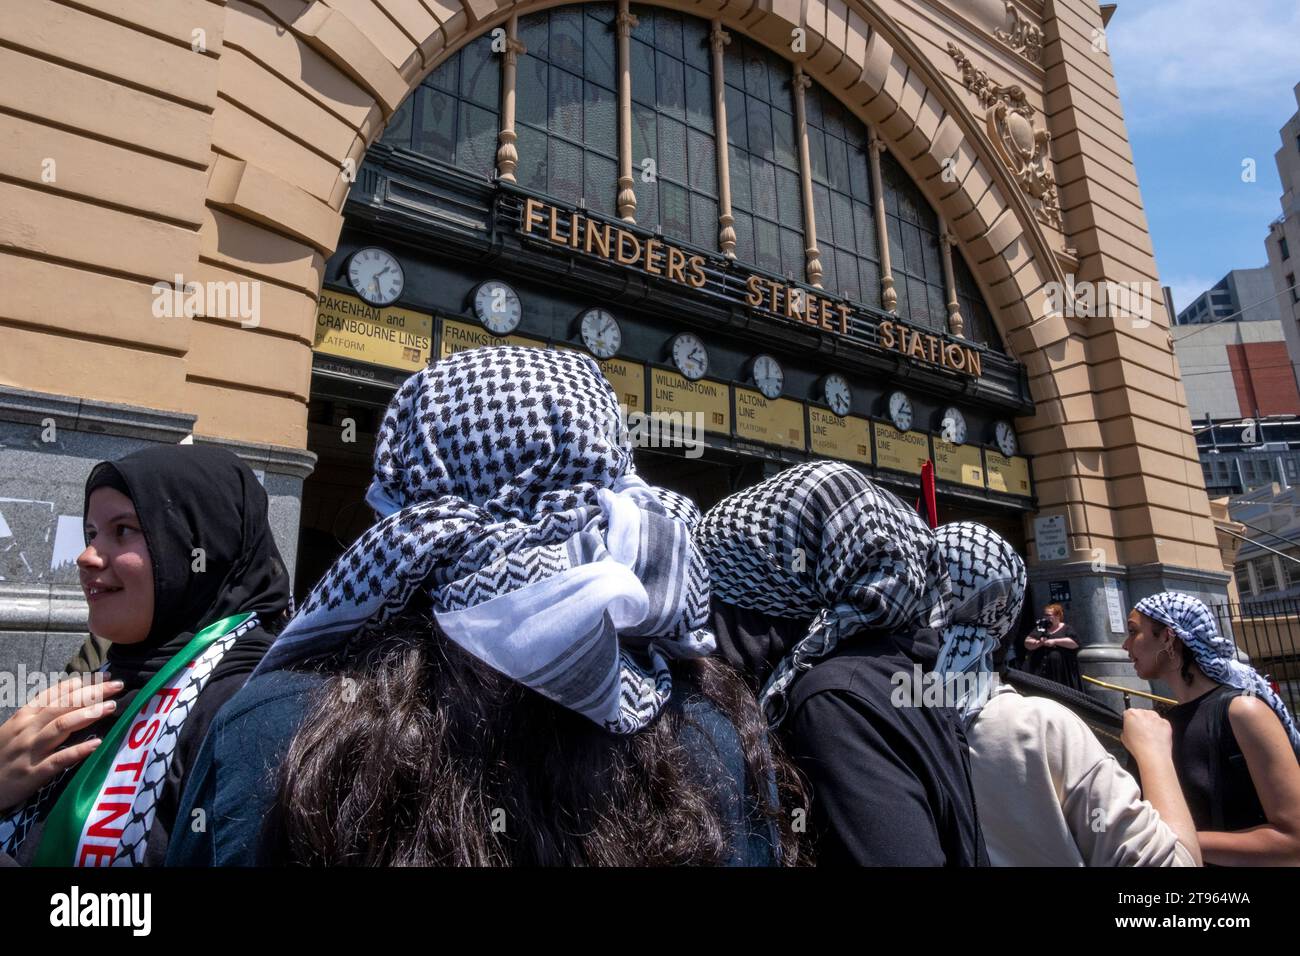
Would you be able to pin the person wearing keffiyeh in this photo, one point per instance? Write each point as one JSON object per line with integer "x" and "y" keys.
{"x": 1235, "y": 743}
{"x": 1048, "y": 793}
{"x": 827, "y": 591}
{"x": 520, "y": 644}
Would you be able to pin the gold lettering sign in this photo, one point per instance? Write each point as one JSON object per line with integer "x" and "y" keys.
{"x": 460, "y": 336}
{"x": 901, "y": 451}
{"x": 845, "y": 438}
{"x": 776, "y": 421}
{"x": 958, "y": 463}
{"x": 576, "y": 231}
{"x": 348, "y": 327}
{"x": 628, "y": 379}
{"x": 1008, "y": 475}
{"x": 672, "y": 393}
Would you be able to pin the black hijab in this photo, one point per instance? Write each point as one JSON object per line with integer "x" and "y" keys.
{"x": 192, "y": 497}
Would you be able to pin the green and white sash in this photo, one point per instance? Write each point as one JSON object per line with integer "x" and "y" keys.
{"x": 103, "y": 816}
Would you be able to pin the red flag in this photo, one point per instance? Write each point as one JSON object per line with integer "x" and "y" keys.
{"x": 926, "y": 505}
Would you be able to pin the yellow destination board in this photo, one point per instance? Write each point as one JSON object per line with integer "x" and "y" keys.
{"x": 349, "y": 328}
{"x": 846, "y": 438}
{"x": 901, "y": 451}
{"x": 672, "y": 393}
{"x": 773, "y": 421}
{"x": 958, "y": 463}
{"x": 1008, "y": 475}
{"x": 628, "y": 378}
{"x": 460, "y": 336}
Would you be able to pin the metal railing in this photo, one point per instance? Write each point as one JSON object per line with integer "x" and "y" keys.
{"x": 1269, "y": 633}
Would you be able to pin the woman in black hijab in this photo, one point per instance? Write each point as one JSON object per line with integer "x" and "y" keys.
{"x": 184, "y": 578}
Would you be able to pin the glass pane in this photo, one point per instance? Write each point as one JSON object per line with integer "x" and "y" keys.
{"x": 600, "y": 119}
{"x": 704, "y": 221}
{"x": 695, "y": 43}
{"x": 602, "y": 184}
{"x": 530, "y": 84}
{"x": 895, "y": 237}
{"x": 817, "y": 154}
{"x": 759, "y": 115}
{"x": 566, "y": 38}
{"x": 674, "y": 210}
{"x": 699, "y": 99}
{"x": 738, "y": 166}
{"x": 668, "y": 32}
{"x": 600, "y": 53}
{"x": 938, "y": 307}
{"x": 736, "y": 121}
{"x": 755, "y": 72}
{"x": 604, "y": 12}
{"x": 763, "y": 186}
{"x": 812, "y": 104}
{"x": 672, "y": 85}
{"x": 480, "y": 78}
{"x": 672, "y": 150}
{"x": 864, "y": 230}
{"x": 789, "y": 194}
{"x": 645, "y": 23}
{"x": 837, "y": 164}
{"x": 703, "y": 170}
{"x": 931, "y": 255}
{"x": 842, "y": 213}
{"x": 647, "y": 200}
{"x": 829, "y": 281}
{"x": 793, "y": 259}
{"x": 869, "y": 282}
{"x": 476, "y": 149}
{"x": 645, "y": 137}
{"x": 534, "y": 30}
{"x": 918, "y": 309}
{"x": 833, "y": 116}
{"x": 733, "y": 64}
{"x": 903, "y": 307}
{"x": 435, "y": 123}
{"x": 782, "y": 85}
{"x": 822, "y": 213}
{"x": 398, "y": 131}
{"x": 566, "y": 170}
{"x": 643, "y": 72}
{"x": 566, "y": 104}
{"x": 744, "y": 226}
{"x": 859, "y": 174}
{"x": 532, "y": 159}
{"x": 445, "y": 75}
{"x": 912, "y": 251}
{"x": 787, "y": 153}
{"x": 767, "y": 245}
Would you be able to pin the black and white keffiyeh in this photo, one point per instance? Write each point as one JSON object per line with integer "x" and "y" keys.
{"x": 820, "y": 540}
{"x": 1193, "y": 623}
{"x": 506, "y": 492}
{"x": 988, "y": 586}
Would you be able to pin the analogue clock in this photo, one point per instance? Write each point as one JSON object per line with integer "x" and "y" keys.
{"x": 497, "y": 307}
{"x": 952, "y": 427}
{"x": 600, "y": 333}
{"x": 376, "y": 275}
{"x": 1006, "y": 436}
{"x": 900, "y": 411}
{"x": 768, "y": 376}
{"x": 837, "y": 394}
{"x": 689, "y": 356}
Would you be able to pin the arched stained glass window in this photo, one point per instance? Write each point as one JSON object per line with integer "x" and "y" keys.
{"x": 454, "y": 114}
{"x": 766, "y": 197}
{"x": 674, "y": 159}
{"x": 567, "y": 105}
{"x": 845, "y": 217}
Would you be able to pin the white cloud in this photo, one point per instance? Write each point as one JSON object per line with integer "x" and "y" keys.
{"x": 1198, "y": 59}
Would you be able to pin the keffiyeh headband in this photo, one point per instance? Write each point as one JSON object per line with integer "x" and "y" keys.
{"x": 1193, "y": 623}
{"x": 822, "y": 541}
{"x": 506, "y": 493}
{"x": 988, "y": 585}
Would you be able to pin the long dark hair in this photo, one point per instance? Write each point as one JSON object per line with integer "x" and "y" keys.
{"x": 414, "y": 752}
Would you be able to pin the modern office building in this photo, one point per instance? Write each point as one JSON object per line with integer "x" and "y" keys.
{"x": 1283, "y": 242}
{"x": 1243, "y": 295}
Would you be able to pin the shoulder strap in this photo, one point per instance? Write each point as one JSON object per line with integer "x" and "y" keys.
{"x": 1220, "y": 733}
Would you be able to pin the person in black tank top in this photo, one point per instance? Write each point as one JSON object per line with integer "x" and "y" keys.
{"x": 1235, "y": 743}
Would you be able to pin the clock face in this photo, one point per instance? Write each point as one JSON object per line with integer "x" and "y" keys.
{"x": 601, "y": 334}
{"x": 838, "y": 395}
{"x": 497, "y": 307}
{"x": 768, "y": 376}
{"x": 953, "y": 426}
{"x": 376, "y": 275}
{"x": 1006, "y": 436}
{"x": 900, "y": 411}
{"x": 689, "y": 356}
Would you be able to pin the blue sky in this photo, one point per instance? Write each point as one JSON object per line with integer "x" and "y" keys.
{"x": 1204, "y": 85}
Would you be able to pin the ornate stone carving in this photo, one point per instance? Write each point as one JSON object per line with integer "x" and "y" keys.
{"x": 1021, "y": 35}
{"x": 1022, "y": 146}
